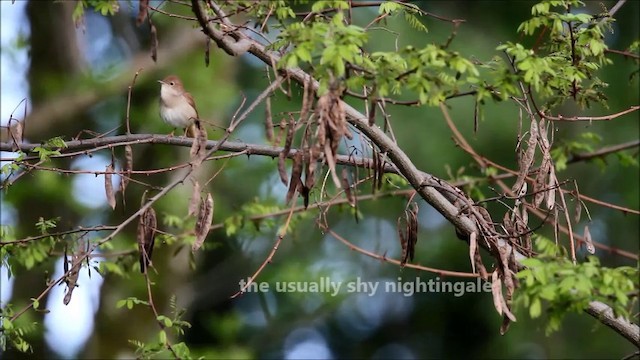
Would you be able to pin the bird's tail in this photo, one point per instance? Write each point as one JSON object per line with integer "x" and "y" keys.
{"x": 193, "y": 129}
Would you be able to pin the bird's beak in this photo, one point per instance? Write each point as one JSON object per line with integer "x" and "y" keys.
{"x": 161, "y": 82}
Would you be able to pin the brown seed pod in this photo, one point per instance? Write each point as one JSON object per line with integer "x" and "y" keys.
{"x": 146, "y": 235}
{"x": 203, "y": 224}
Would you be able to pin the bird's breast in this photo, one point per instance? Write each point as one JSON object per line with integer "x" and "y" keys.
{"x": 177, "y": 113}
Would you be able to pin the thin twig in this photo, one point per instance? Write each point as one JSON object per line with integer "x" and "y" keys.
{"x": 267, "y": 260}
{"x": 133, "y": 82}
{"x": 384, "y": 258}
{"x": 588, "y": 118}
{"x": 156, "y": 314}
{"x": 603, "y": 152}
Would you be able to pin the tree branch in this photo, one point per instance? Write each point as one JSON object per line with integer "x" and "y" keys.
{"x": 588, "y": 118}
{"x": 604, "y": 313}
{"x": 603, "y": 152}
{"x": 82, "y": 147}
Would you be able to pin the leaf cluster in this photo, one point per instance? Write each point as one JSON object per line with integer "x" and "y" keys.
{"x": 257, "y": 213}
{"x": 565, "y": 65}
{"x": 162, "y": 345}
{"x": 104, "y": 7}
{"x": 565, "y": 287}
{"x": 14, "y": 334}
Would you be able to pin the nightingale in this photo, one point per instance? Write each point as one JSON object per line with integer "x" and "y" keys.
{"x": 177, "y": 107}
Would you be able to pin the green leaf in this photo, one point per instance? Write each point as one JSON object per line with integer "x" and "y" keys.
{"x": 549, "y": 293}
{"x": 415, "y": 23}
{"x": 7, "y": 324}
{"x": 162, "y": 336}
{"x": 626, "y": 159}
{"x": 389, "y": 7}
{"x": 78, "y": 11}
{"x": 165, "y": 320}
{"x": 56, "y": 142}
{"x": 536, "y": 308}
{"x": 532, "y": 262}
{"x": 182, "y": 350}
{"x": 44, "y": 154}
{"x": 320, "y": 5}
{"x": 291, "y": 61}
{"x": 303, "y": 54}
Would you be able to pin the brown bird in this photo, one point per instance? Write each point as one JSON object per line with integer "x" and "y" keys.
{"x": 177, "y": 107}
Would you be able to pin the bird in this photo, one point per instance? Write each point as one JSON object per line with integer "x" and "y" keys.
{"x": 177, "y": 107}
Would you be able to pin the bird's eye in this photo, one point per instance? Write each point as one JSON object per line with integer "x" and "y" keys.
{"x": 172, "y": 83}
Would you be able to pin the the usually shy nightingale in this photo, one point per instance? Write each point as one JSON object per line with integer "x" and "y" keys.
{"x": 177, "y": 107}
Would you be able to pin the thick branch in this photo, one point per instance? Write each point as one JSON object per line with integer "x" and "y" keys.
{"x": 623, "y": 327}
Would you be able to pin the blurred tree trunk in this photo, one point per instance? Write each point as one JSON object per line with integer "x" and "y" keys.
{"x": 54, "y": 57}
{"x": 54, "y": 47}
{"x": 55, "y": 60}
